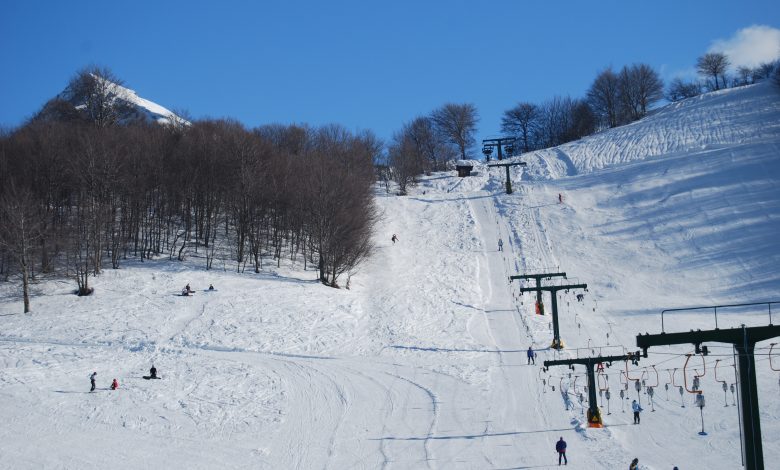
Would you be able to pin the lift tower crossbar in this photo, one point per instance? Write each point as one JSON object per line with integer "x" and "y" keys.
{"x": 538, "y": 278}
{"x": 506, "y": 143}
{"x": 508, "y": 179}
{"x": 744, "y": 340}
{"x": 594, "y": 414}
{"x": 556, "y": 343}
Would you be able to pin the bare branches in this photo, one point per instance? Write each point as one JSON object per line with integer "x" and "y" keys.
{"x": 714, "y": 65}
{"x": 458, "y": 124}
{"x": 20, "y": 232}
{"x": 522, "y": 121}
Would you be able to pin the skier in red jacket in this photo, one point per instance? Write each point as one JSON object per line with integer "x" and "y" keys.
{"x": 115, "y": 384}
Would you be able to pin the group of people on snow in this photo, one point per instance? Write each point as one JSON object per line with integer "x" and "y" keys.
{"x": 93, "y": 378}
{"x": 115, "y": 383}
{"x": 187, "y": 290}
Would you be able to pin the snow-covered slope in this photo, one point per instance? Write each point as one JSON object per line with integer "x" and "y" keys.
{"x": 727, "y": 117}
{"x": 422, "y": 363}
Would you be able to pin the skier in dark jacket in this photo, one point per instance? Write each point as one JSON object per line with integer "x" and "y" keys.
{"x": 560, "y": 447}
{"x": 531, "y": 356}
{"x": 153, "y": 372}
{"x": 92, "y": 381}
{"x": 634, "y": 465}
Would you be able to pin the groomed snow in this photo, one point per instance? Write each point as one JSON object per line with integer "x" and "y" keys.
{"x": 422, "y": 362}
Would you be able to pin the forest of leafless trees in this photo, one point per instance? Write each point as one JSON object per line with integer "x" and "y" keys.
{"x": 80, "y": 193}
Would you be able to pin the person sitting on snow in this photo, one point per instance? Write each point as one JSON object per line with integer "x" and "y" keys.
{"x": 115, "y": 384}
{"x": 211, "y": 286}
{"x": 153, "y": 372}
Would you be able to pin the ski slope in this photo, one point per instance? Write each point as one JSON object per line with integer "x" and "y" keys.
{"x": 421, "y": 364}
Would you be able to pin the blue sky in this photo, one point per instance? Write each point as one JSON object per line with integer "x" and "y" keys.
{"x": 363, "y": 64}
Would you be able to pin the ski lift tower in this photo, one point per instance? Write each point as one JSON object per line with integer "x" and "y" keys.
{"x": 744, "y": 340}
{"x": 553, "y": 290}
{"x": 594, "y": 414}
{"x": 508, "y": 179}
{"x": 538, "y": 278}
{"x": 505, "y": 143}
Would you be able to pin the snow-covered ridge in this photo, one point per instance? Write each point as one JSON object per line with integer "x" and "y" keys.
{"x": 138, "y": 107}
{"x": 749, "y": 114}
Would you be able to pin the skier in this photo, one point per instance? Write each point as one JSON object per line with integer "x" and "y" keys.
{"x": 634, "y": 465}
{"x": 115, "y": 384}
{"x": 211, "y": 286}
{"x": 500, "y": 245}
{"x": 635, "y": 406}
{"x": 560, "y": 198}
{"x": 531, "y": 356}
{"x": 394, "y": 239}
{"x": 92, "y": 381}
{"x": 189, "y": 290}
{"x": 560, "y": 447}
{"x": 185, "y": 292}
{"x": 153, "y": 372}
{"x": 580, "y": 297}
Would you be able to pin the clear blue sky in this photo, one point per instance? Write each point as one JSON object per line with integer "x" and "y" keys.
{"x": 365, "y": 64}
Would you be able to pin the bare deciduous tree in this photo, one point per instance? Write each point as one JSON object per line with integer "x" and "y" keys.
{"x": 522, "y": 121}
{"x": 458, "y": 123}
{"x": 604, "y": 97}
{"x": 20, "y": 231}
{"x": 96, "y": 93}
{"x": 433, "y": 148}
{"x": 640, "y": 87}
{"x": 405, "y": 160}
{"x": 680, "y": 90}
{"x": 713, "y": 65}
{"x": 744, "y": 76}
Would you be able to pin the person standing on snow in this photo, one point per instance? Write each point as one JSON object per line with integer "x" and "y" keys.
{"x": 394, "y": 239}
{"x": 153, "y": 372}
{"x": 560, "y": 198}
{"x": 92, "y": 381}
{"x": 634, "y": 465}
{"x": 500, "y": 245}
{"x": 637, "y": 409}
{"x": 531, "y": 356}
{"x": 560, "y": 447}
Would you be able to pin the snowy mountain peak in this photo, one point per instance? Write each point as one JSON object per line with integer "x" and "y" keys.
{"x": 91, "y": 91}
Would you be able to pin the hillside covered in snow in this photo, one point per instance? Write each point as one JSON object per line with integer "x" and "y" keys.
{"x": 746, "y": 115}
{"x": 422, "y": 363}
